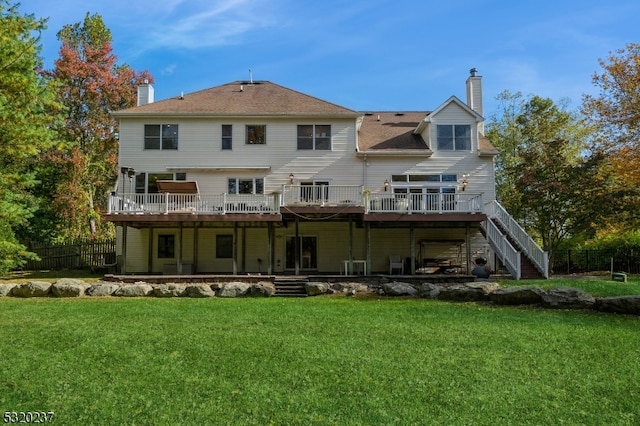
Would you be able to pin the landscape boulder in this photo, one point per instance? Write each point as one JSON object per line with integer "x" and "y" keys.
{"x": 200, "y": 290}
{"x": 519, "y": 295}
{"x": 69, "y": 287}
{"x": 170, "y": 290}
{"x": 567, "y": 298}
{"x": 349, "y": 288}
{"x": 316, "y": 288}
{"x": 134, "y": 290}
{"x": 468, "y": 292}
{"x": 429, "y": 290}
{"x": 102, "y": 289}
{"x": 397, "y": 288}
{"x": 5, "y": 289}
{"x": 31, "y": 289}
{"x": 619, "y": 304}
{"x": 235, "y": 289}
{"x": 263, "y": 289}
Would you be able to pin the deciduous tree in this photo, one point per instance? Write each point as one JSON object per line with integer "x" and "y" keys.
{"x": 546, "y": 178}
{"x": 92, "y": 84}
{"x": 27, "y": 109}
{"x": 614, "y": 115}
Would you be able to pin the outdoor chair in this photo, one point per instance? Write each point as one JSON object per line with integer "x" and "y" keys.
{"x": 396, "y": 263}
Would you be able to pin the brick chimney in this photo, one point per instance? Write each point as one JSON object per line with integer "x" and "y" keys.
{"x": 145, "y": 93}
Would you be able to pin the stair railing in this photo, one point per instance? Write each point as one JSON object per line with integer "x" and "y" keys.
{"x": 530, "y": 248}
{"x": 503, "y": 248}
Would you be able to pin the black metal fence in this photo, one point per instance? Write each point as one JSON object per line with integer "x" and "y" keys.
{"x": 83, "y": 254}
{"x": 581, "y": 261}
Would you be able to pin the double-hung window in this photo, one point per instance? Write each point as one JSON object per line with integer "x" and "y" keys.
{"x": 227, "y": 136}
{"x": 314, "y": 136}
{"x": 454, "y": 137}
{"x": 160, "y": 136}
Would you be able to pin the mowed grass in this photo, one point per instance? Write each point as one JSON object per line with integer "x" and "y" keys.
{"x": 315, "y": 361}
{"x": 597, "y": 286}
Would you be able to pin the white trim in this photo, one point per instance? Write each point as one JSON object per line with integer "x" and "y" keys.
{"x": 221, "y": 168}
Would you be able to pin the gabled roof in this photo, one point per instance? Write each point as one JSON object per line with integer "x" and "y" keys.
{"x": 453, "y": 99}
{"x": 392, "y": 133}
{"x": 241, "y": 98}
{"x": 485, "y": 147}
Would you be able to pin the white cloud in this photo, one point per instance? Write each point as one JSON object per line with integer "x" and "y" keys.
{"x": 206, "y": 25}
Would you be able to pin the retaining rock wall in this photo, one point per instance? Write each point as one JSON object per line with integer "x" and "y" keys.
{"x": 491, "y": 292}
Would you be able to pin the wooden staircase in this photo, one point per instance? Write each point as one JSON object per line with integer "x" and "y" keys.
{"x": 291, "y": 287}
{"x": 527, "y": 269}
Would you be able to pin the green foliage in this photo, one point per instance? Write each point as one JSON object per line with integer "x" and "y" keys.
{"x": 318, "y": 361}
{"x": 545, "y": 178}
{"x": 614, "y": 117}
{"x": 621, "y": 241}
{"x": 91, "y": 84}
{"x": 27, "y": 109}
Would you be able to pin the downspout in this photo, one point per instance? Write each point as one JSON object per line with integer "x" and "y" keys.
{"x": 365, "y": 164}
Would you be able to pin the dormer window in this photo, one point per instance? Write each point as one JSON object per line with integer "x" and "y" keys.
{"x": 454, "y": 137}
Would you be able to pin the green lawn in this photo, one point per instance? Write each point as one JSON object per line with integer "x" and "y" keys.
{"x": 601, "y": 286}
{"x": 315, "y": 361}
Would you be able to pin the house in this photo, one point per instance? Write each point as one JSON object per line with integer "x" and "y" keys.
{"x": 254, "y": 177}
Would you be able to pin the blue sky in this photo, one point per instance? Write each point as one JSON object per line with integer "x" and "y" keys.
{"x": 373, "y": 55}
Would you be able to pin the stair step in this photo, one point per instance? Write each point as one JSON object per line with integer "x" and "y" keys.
{"x": 290, "y": 288}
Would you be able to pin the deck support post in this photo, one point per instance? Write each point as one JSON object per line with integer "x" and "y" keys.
{"x": 467, "y": 243}
{"x": 150, "y": 251}
{"x": 235, "y": 248}
{"x": 412, "y": 251}
{"x": 350, "y": 244}
{"x": 196, "y": 228}
{"x": 270, "y": 241}
{"x": 296, "y": 246}
{"x": 179, "y": 265}
{"x": 123, "y": 266}
{"x": 367, "y": 243}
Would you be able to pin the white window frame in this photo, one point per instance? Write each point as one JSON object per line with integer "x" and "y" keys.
{"x": 454, "y": 146}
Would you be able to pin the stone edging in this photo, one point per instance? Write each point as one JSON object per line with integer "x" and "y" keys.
{"x": 555, "y": 298}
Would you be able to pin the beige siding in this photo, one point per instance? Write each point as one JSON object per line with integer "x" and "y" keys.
{"x": 200, "y": 146}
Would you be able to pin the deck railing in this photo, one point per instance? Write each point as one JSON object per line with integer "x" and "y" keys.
{"x": 292, "y": 195}
{"x": 503, "y": 248}
{"x": 322, "y": 195}
{"x": 192, "y": 203}
{"x": 423, "y": 203}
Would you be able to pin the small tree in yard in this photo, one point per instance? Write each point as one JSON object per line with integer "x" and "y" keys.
{"x": 91, "y": 85}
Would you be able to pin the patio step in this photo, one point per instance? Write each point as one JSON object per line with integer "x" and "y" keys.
{"x": 290, "y": 287}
